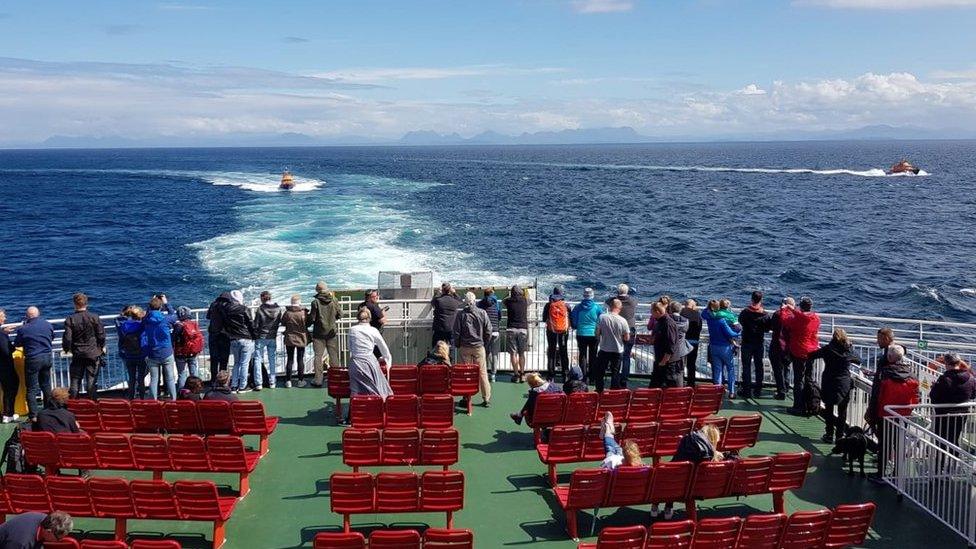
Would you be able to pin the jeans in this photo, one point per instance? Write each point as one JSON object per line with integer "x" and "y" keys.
{"x": 587, "y": 354}
{"x": 625, "y": 360}
{"x": 723, "y": 366}
{"x": 557, "y": 353}
{"x": 752, "y": 361}
{"x": 83, "y": 370}
{"x": 242, "y": 350}
{"x": 292, "y": 352}
{"x": 779, "y": 362}
{"x": 168, "y": 367}
{"x": 611, "y": 447}
{"x": 837, "y": 423}
{"x": 606, "y": 360}
{"x": 38, "y": 371}
{"x": 691, "y": 364}
{"x": 259, "y": 346}
{"x": 494, "y": 347}
{"x": 136, "y": 368}
{"x": 219, "y": 354}
{"x": 185, "y": 366}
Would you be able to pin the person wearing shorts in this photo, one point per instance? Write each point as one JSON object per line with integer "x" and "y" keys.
{"x": 517, "y": 331}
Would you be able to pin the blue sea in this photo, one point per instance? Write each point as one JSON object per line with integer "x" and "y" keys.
{"x": 701, "y": 220}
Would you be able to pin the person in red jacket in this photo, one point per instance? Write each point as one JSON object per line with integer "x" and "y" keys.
{"x": 898, "y": 387}
{"x": 802, "y": 327}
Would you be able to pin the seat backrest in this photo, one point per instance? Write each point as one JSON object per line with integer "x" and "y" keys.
{"x": 361, "y": 446}
{"x": 351, "y": 492}
{"x": 27, "y": 493}
{"x": 111, "y": 497}
{"x": 99, "y": 544}
{"x": 671, "y": 535}
{"x": 670, "y": 482}
{"x": 40, "y": 448}
{"x": 644, "y": 434}
{"x": 434, "y": 379}
{"x": 762, "y": 531}
{"x": 150, "y": 453}
{"x": 789, "y": 471}
{"x": 752, "y": 476}
{"x": 188, "y": 453}
{"x": 628, "y": 486}
{"x": 707, "y": 400}
{"x": 116, "y": 415}
{"x": 616, "y": 401}
{"x": 439, "y": 447}
{"x": 403, "y": 379}
{"x": 719, "y": 422}
{"x": 465, "y": 379}
{"x": 394, "y": 539}
{"x": 676, "y": 403}
{"x": 249, "y": 417}
{"x": 444, "y": 538}
{"x": 806, "y": 529}
{"x": 587, "y": 488}
{"x": 717, "y": 533}
{"x": 215, "y": 417}
{"x": 338, "y": 379}
{"x": 593, "y": 447}
{"x": 227, "y": 453}
{"x": 712, "y": 479}
{"x": 402, "y": 412}
{"x": 397, "y": 492}
{"x": 669, "y": 434}
{"x": 77, "y": 451}
{"x": 366, "y": 411}
{"x": 155, "y": 544}
{"x": 436, "y": 411}
{"x": 849, "y": 525}
{"x": 401, "y": 446}
{"x": 645, "y": 405}
{"x": 198, "y": 500}
{"x": 338, "y": 540}
{"x": 63, "y": 543}
{"x": 154, "y": 499}
{"x": 147, "y": 415}
{"x": 622, "y": 537}
{"x": 86, "y": 412}
{"x": 742, "y": 432}
{"x": 70, "y": 494}
{"x": 577, "y": 409}
{"x": 565, "y": 443}
{"x": 114, "y": 451}
{"x": 548, "y": 410}
{"x": 442, "y": 491}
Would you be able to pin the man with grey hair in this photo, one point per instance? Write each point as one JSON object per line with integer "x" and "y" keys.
{"x": 628, "y": 310}
{"x": 36, "y": 336}
{"x": 323, "y": 315}
{"x": 34, "y": 529}
{"x": 613, "y": 333}
{"x": 472, "y": 334}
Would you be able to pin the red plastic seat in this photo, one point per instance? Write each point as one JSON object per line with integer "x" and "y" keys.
{"x": 71, "y": 495}
{"x": 41, "y": 448}
{"x": 339, "y": 540}
{"x": 565, "y": 446}
{"x": 188, "y": 452}
{"x": 645, "y": 405}
{"x": 250, "y": 419}
{"x": 547, "y": 412}
{"x": 99, "y": 544}
{"x": 707, "y": 400}
{"x": 439, "y": 447}
{"x": 670, "y": 482}
{"x": 227, "y": 454}
{"x": 669, "y": 434}
{"x": 86, "y": 412}
{"x": 403, "y": 379}
{"x": 27, "y": 493}
{"x": 114, "y": 451}
{"x": 63, "y": 543}
{"x": 762, "y": 531}
{"x": 351, "y": 493}
{"x": 366, "y": 412}
{"x": 200, "y": 501}
{"x": 338, "y": 381}
{"x": 402, "y": 411}
{"x": 215, "y": 417}
{"x": 153, "y": 499}
{"x": 717, "y": 533}
{"x": 615, "y": 401}
{"x": 711, "y": 480}
{"x": 116, "y": 415}
{"x": 789, "y": 472}
{"x": 155, "y": 544}
{"x": 147, "y": 416}
{"x": 112, "y": 498}
{"x": 465, "y": 380}
{"x": 436, "y": 411}
{"x": 401, "y": 446}
{"x": 445, "y": 538}
{"x": 361, "y": 447}
{"x": 719, "y": 422}
{"x": 587, "y": 490}
{"x": 5, "y": 508}
{"x": 394, "y": 539}
{"x": 806, "y": 529}
{"x": 619, "y": 537}
{"x": 849, "y": 525}
{"x": 151, "y": 453}
{"x": 578, "y": 409}
{"x": 441, "y": 491}
{"x": 628, "y": 486}
{"x": 644, "y": 434}
{"x": 434, "y": 380}
{"x": 77, "y": 451}
{"x": 670, "y": 535}
{"x": 676, "y": 403}
{"x": 397, "y": 492}
{"x": 752, "y": 476}
{"x": 741, "y": 432}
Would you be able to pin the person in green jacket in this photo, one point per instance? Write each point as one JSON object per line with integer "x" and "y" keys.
{"x": 322, "y": 317}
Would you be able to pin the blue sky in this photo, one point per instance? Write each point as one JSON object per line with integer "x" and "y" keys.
{"x": 378, "y": 69}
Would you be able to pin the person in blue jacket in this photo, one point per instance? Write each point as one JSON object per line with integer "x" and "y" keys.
{"x": 36, "y": 336}
{"x": 157, "y": 344}
{"x": 128, "y": 326}
{"x": 584, "y": 317}
{"x": 721, "y": 337}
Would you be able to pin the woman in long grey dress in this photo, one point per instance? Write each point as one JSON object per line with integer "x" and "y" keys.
{"x": 365, "y": 375}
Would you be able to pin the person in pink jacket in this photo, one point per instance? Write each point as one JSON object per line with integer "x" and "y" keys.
{"x": 802, "y": 327}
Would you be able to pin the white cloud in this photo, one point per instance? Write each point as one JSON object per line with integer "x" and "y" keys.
{"x": 752, "y": 89}
{"x": 602, "y": 6}
{"x": 380, "y": 74}
{"x": 964, "y": 74}
{"x": 887, "y": 4}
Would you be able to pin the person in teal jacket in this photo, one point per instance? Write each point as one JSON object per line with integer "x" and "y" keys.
{"x": 584, "y": 318}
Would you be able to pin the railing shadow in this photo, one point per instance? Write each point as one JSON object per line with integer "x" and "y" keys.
{"x": 504, "y": 441}
{"x": 323, "y": 489}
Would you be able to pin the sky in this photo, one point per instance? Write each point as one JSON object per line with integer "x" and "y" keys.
{"x": 193, "y": 69}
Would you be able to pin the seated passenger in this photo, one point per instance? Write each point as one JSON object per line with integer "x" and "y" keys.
{"x": 221, "y": 389}
{"x": 574, "y": 381}
{"x": 537, "y": 386}
{"x": 440, "y": 354}
{"x": 617, "y": 455}
{"x": 696, "y": 447}
{"x": 192, "y": 389}
{"x": 55, "y": 417}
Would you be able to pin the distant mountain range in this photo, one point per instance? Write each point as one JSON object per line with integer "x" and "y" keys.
{"x": 581, "y": 136}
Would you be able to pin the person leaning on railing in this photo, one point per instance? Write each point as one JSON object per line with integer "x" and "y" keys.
{"x": 896, "y": 387}
{"x": 835, "y": 382}
{"x": 128, "y": 326}
{"x": 84, "y": 338}
{"x": 956, "y": 385}
{"x": 36, "y": 337}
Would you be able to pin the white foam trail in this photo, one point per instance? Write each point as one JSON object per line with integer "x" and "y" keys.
{"x": 257, "y": 182}
{"x": 971, "y": 292}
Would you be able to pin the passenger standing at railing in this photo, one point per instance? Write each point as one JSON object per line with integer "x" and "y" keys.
{"x": 84, "y": 338}
{"x": 555, "y": 315}
{"x": 835, "y": 382}
{"x": 896, "y": 387}
{"x": 157, "y": 344}
{"x": 693, "y": 337}
{"x": 956, "y": 385}
{"x": 323, "y": 315}
{"x": 128, "y": 326}
{"x": 628, "y": 311}
{"x": 721, "y": 337}
{"x": 445, "y": 306}
{"x": 267, "y": 320}
{"x": 490, "y": 305}
{"x": 779, "y": 347}
{"x": 613, "y": 333}
{"x": 517, "y": 330}
{"x": 296, "y": 339}
{"x": 187, "y": 344}
{"x": 668, "y": 368}
{"x": 802, "y": 327}
{"x": 36, "y": 337}
{"x": 584, "y": 318}
{"x": 9, "y": 380}
{"x": 218, "y": 340}
{"x": 755, "y": 323}
{"x": 240, "y": 329}
{"x": 472, "y": 333}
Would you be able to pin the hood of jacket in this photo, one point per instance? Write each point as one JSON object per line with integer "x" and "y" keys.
{"x": 556, "y": 297}
{"x": 957, "y": 377}
{"x": 756, "y": 308}
{"x": 898, "y": 371}
{"x": 324, "y": 297}
{"x": 154, "y": 317}
{"x": 293, "y": 308}
{"x": 587, "y": 304}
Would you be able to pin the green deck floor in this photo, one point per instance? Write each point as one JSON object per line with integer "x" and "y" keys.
{"x": 507, "y": 500}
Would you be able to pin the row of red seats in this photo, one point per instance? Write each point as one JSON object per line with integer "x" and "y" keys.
{"x": 581, "y": 443}
{"x": 119, "y": 499}
{"x": 375, "y": 447}
{"x": 845, "y": 526}
{"x": 433, "y": 538}
{"x": 460, "y": 380}
{"x": 432, "y": 491}
{"x": 72, "y": 543}
{"x": 156, "y": 453}
{"x": 638, "y": 405}
{"x": 246, "y": 417}
{"x": 682, "y": 482}
{"x": 402, "y": 412}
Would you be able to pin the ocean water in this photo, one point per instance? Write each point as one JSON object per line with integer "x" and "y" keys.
{"x": 702, "y": 220}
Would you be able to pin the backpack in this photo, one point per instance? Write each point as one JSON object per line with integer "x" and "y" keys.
{"x": 694, "y": 448}
{"x": 131, "y": 344}
{"x": 558, "y": 320}
{"x": 13, "y": 460}
{"x": 810, "y": 398}
{"x": 191, "y": 339}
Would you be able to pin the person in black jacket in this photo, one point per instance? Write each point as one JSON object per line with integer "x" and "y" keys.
{"x": 218, "y": 341}
{"x": 240, "y": 329}
{"x": 835, "y": 383}
{"x": 755, "y": 323}
{"x": 956, "y": 385}
{"x": 445, "y": 306}
{"x": 668, "y": 364}
{"x": 55, "y": 417}
{"x": 693, "y": 337}
{"x": 84, "y": 338}
{"x": 9, "y": 380}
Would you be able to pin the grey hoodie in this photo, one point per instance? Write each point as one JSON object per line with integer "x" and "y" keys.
{"x": 683, "y": 347}
{"x": 472, "y": 327}
{"x": 267, "y": 319}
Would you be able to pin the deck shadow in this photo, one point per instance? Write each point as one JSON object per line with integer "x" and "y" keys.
{"x": 323, "y": 489}
{"x": 312, "y": 418}
{"x": 505, "y": 441}
{"x": 308, "y": 532}
{"x": 525, "y": 482}
{"x": 546, "y": 530}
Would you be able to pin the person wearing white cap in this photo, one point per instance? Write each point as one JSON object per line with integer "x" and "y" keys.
{"x": 240, "y": 329}
{"x": 584, "y": 318}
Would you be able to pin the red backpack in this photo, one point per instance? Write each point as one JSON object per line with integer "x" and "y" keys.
{"x": 191, "y": 339}
{"x": 558, "y": 320}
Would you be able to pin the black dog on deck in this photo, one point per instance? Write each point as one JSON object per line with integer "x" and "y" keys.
{"x": 853, "y": 446}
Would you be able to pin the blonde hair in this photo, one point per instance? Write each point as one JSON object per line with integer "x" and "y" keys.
{"x": 713, "y": 435}
{"x": 534, "y": 380}
{"x": 443, "y": 351}
{"x": 840, "y": 336}
{"x": 632, "y": 454}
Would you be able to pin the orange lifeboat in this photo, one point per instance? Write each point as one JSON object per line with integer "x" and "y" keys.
{"x": 287, "y": 181}
{"x": 904, "y": 167}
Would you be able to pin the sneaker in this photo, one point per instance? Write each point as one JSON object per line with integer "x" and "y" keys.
{"x": 287, "y": 385}
{"x": 244, "y": 390}
{"x": 492, "y": 378}
{"x": 780, "y": 396}
{"x": 316, "y": 385}
{"x": 517, "y": 418}
{"x": 828, "y": 438}
{"x": 302, "y": 383}
{"x": 731, "y": 396}
{"x": 486, "y": 404}
{"x": 655, "y": 510}
{"x": 668, "y": 513}
{"x": 258, "y": 388}
{"x": 7, "y": 419}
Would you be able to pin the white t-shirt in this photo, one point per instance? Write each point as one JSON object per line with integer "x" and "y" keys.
{"x": 612, "y": 328}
